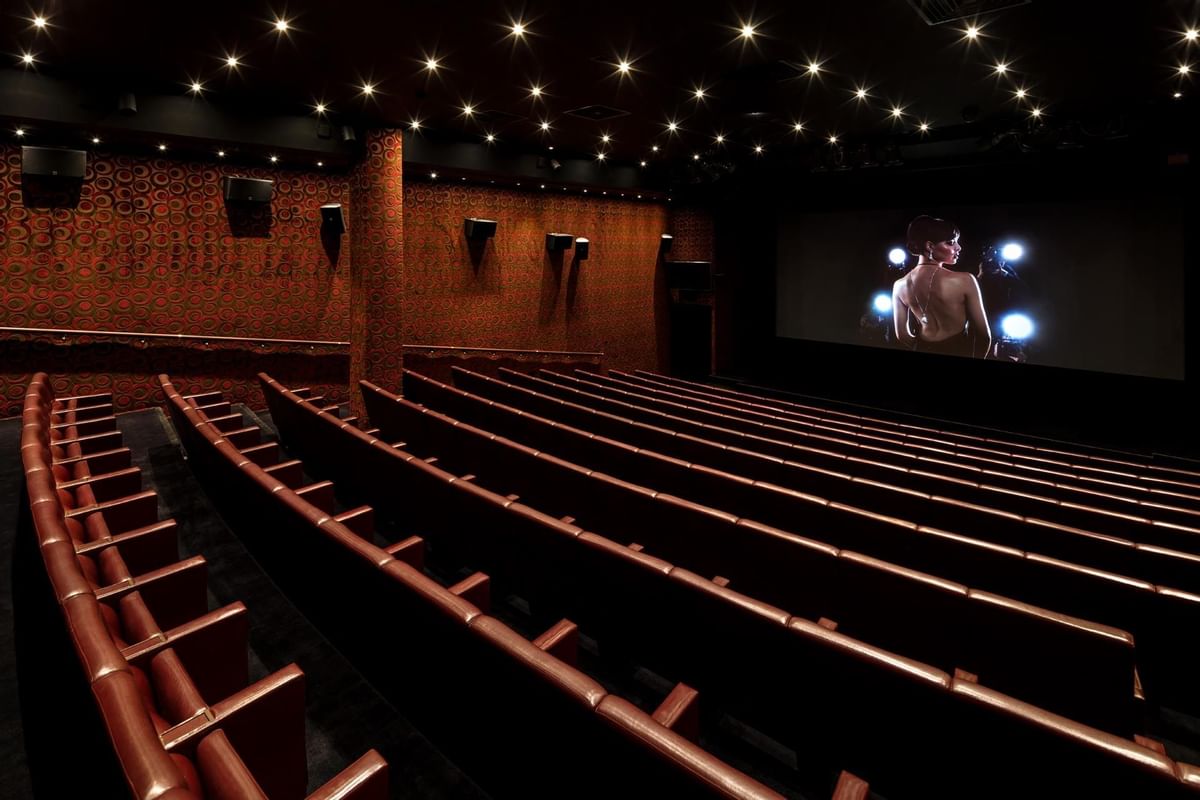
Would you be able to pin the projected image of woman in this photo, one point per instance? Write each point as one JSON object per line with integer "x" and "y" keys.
{"x": 935, "y": 309}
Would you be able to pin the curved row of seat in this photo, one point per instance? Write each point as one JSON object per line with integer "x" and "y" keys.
{"x": 835, "y": 700}
{"x": 767, "y": 489}
{"x": 168, "y": 677}
{"x": 1104, "y": 462}
{"x": 514, "y": 713}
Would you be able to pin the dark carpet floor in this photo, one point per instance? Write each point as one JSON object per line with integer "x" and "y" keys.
{"x": 345, "y": 715}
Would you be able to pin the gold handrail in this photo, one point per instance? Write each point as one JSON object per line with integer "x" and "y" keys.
{"x": 503, "y": 350}
{"x": 171, "y": 336}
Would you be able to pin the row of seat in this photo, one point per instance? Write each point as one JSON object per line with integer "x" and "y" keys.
{"x": 469, "y": 678}
{"x": 758, "y": 487}
{"x": 945, "y": 476}
{"x": 1102, "y": 461}
{"x": 1067, "y": 665}
{"x": 912, "y": 730}
{"x": 168, "y": 677}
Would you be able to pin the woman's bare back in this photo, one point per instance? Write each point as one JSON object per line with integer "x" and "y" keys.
{"x": 942, "y": 296}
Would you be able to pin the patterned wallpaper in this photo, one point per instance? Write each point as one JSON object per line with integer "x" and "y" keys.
{"x": 509, "y": 292}
{"x": 151, "y": 248}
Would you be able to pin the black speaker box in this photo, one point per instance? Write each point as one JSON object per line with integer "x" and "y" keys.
{"x": 247, "y": 190}
{"x": 332, "y": 218}
{"x": 558, "y": 241}
{"x": 694, "y": 276}
{"x": 52, "y": 162}
{"x": 582, "y": 246}
{"x": 476, "y": 228}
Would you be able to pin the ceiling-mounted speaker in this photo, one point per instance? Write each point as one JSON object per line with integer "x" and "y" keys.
{"x": 476, "y": 228}
{"x": 332, "y": 219}
{"x": 665, "y": 242}
{"x": 127, "y": 103}
{"x": 582, "y": 246}
{"x": 347, "y": 135}
{"x": 247, "y": 190}
{"x": 557, "y": 242}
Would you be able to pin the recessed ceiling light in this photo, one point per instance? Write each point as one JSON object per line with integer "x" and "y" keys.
{"x": 196, "y": 87}
{"x": 1191, "y": 34}
{"x": 551, "y": 147}
{"x": 19, "y": 132}
{"x": 320, "y": 163}
{"x": 1185, "y": 69}
{"x": 433, "y": 175}
{"x": 1035, "y": 112}
{"x": 606, "y": 138}
{"x": 698, "y": 94}
{"x": 643, "y": 163}
{"x": 758, "y": 149}
{"x": 468, "y": 110}
{"x": 798, "y": 127}
{"x": 720, "y": 138}
{"x": 585, "y": 191}
{"x": 543, "y": 186}
{"x": 414, "y": 124}
{"x": 923, "y": 127}
{"x": 220, "y": 154}
{"x": 535, "y": 91}
{"x": 95, "y": 140}
{"x": 897, "y": 112}
{"x": 600, "y": 156}
{"x": 27, "y": 59}
{"x": 491, "y": 137}
{"x": 232, "y": 62}
{"x": 274, "y": 159}
{"x": 672, "y": 126}
{"x": 748, "y": 31}
{"x": 624, "y": 67}
{"x": 1020, "y": 93}
{"x": 860, "y": 93}
{"x": 971, "y": 32}
{"x": 432, "y": 64}
{"x": 695, "y": 156}
{"x": 813, "y": 68}
{"x": 319, "y": 108}
{"x": 162, "y": 147}
{"x": 545, "y": 126}
{"x": 833, "y": 138}
{"x": 654, "y": 149}
{"x": 1001, "y": 68}
{"x": 1177, "y": 95}
{"x": 518, "y": 29}
{"x": 39, "y": 22}
{"x": 368, "y": 89}
{"x": 282, "y": 25}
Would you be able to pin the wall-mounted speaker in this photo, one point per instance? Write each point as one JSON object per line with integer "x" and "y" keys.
{"x": 582, "y": 246}
{"x": 346, "y": 134}
{"x": 247, "y": 190}
{"x": 665, "y": 242}
{"x": 53, "y": 162}
{"x": 696, "y": 276}
{"x": 476, "y": 228}
{"x": 557, "y": 242}
{"x": 127, "y": 103}
{"x": 332, "y": 219}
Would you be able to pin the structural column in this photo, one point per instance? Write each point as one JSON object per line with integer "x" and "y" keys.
{"x": 377, "y": 265}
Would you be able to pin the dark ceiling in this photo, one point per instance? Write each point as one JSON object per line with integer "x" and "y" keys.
{"x": 1078, "y": 60}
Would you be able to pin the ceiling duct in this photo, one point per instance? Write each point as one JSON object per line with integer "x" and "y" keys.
{"x": 939, "y": 12}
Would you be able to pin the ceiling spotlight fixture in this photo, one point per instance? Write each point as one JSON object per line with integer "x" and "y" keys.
{"x": 642, "y": 163}
{"x": 551, "y": 147}
{"x": 654, "y": 148}
{"x": 971, "y": 32}
{"x": 813, "y": 68}
{"x": 798, "y": 127}
{"x": 748, "y": 31}
{"x": 606, "y": 138}
{"x": 282, "y": 26}
{"x": 1191, "y": 35}
{"x": 95, "y": 140}
{"x": 833, "y": 139}
{"x": 468, "y": 110}
{"x": 319, "y": 108}
{"x": 698, "y": 94}
{"x": 232, "y": 62}
{"x": 720, "y": 139}
{"x": 758, "y": 149}
{"x": 491, "y": 138}
{"x": 923, "y": 127}
{"x": 368, "y": 89}
{"x": 39, "y": 22}
{"x": 545, "y": 126}
{"x": 274, "y": 159}
{"x": 1185, "y": 69}
{"x": 27, "y": 59}
{"x": 600, "y": 156}
{"x": 672, "y": 126}
{"x": 518, "y": 29}
{"x": 860, "y": 93}
{"x": 897, "y": 112}
{"x": 1001, "y": 68}
{"x": 432, "y": 64}
{"x": 1020, "y": 93}
{"x": 1177, "y": 95}
{"x": 414, "y": 125}
{"x": 624, "y": 67}
{"x": 535, "y": 91}
{"x": 695, "y": 156}
{"x": 162, "y": 148}
{"x": 196, "y": 88}
{"x": 220, "y": 154}
{"x": 19, "y": 132}
{"x": 1035, "y": 112}
{"x": 543, "y": 186}
{"x": 433, "y": 175}
{"x": 320, "y": 163}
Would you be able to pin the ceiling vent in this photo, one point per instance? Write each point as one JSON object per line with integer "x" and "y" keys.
{"x": 938, "y": 12}
{"x": 497, "y": 117}
{"x": 597, "y": 113}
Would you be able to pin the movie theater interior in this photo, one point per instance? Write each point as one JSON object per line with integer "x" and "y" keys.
{"x": 489, "y": 399}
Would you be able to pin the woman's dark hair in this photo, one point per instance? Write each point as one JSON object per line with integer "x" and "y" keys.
{"x": 928, "y": 229}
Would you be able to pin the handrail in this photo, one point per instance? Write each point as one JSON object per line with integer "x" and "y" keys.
{"x": 503, "y": 350}
{"x": 172, "y": 336}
